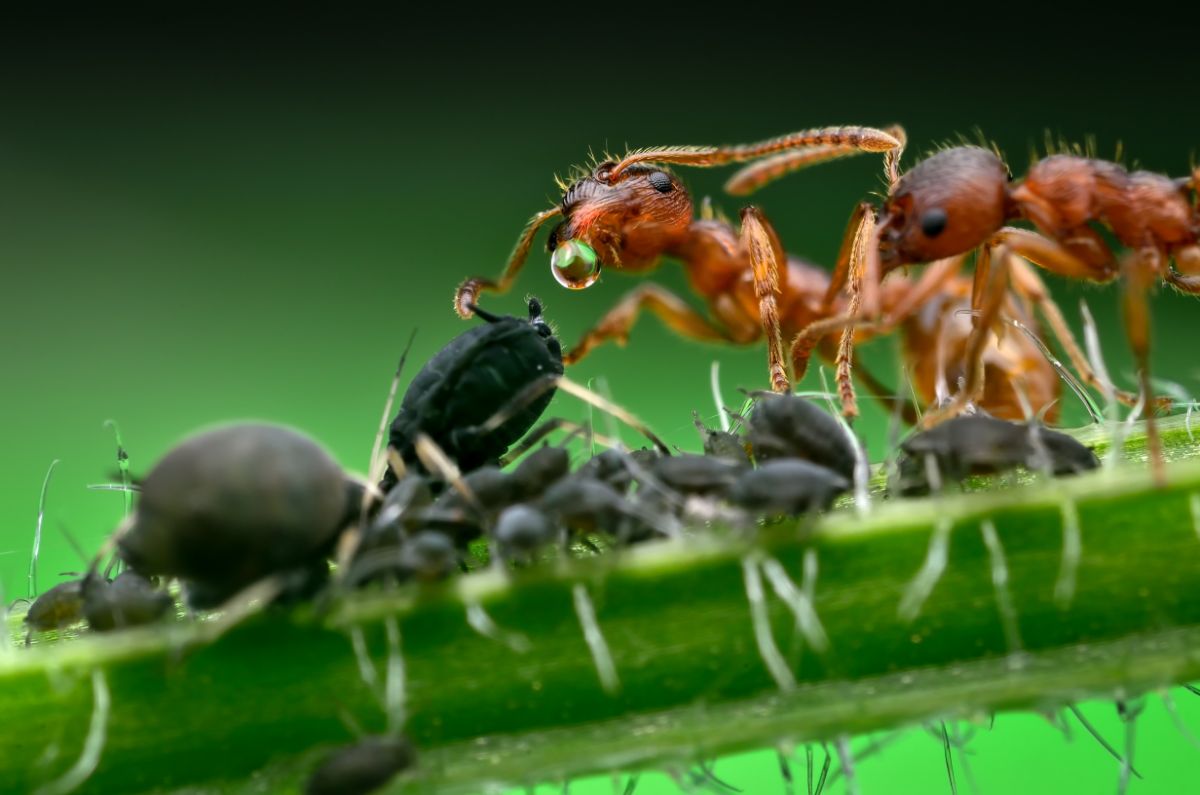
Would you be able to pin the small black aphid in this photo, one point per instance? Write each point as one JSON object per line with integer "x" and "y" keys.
{"x": 788, "y": 426}
{"x": 128, "y": 601}
{"x": 539, "y": 470}
{"x": 230, "y": 506}
{"x": 465, "y": 383}
{"x": 979, "y": 444}
{"x": 696, "y": 474}
{"x": 521, "y": 531}
{"x": 788, "y": 486}
{"x": 362, "y": 767}
{"x": 59, "y": 607}
{"x": 722, "y": 444}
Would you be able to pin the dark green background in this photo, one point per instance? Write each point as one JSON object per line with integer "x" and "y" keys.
{"x": 214, "y": 219}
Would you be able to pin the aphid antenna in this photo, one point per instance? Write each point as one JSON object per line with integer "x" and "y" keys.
{"x": 37, "y": 532}
{"x": 122, "y": 463}
{"x": 714, "y": 382}
{"x": 1099, "y": 738}
{"x": 375, "y": 465}
{"x": 1066, "y": 375}
{"x": 93, "y": 742}
{"x": 862, "y": 467}
{"x": 559, "y": 424}
{"x": 601, "y": 389}
{"x": 538, "y": 387}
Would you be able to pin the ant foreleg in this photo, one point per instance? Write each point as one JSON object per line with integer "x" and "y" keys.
{"x": 765, "y": 251}
{"x": 1139, "y": 270}
{"x": 468, "y": 292}
{"x": 668, "y": 307}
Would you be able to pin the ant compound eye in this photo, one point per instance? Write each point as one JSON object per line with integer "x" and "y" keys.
{"x": 661, "y": 181}
{"x": 933, "y": 222}
{"x": 575, "y": 265}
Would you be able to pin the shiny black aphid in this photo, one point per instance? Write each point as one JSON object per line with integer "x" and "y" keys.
{"x": 788, "y": 426}
{"x": 230, "y": 506}
{"x": 361, "y": 768}
{"x": 462, "y": 386}
{"x": 979, "y": 444}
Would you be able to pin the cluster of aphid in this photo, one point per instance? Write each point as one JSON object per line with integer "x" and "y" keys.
{"x": 262, "y": 510}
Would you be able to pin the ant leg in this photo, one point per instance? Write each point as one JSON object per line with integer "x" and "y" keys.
{"x": 468, "y": 292}
{"x": 1057, "y": 258}
{"x": 1185, "y": 276}
{"x": 765, "y": 251}
{"x": 992, "y": 295}
{"x": 1139, "y": 270}
{"x": 670, "y": 309}
{"x": 1030, "y": 286}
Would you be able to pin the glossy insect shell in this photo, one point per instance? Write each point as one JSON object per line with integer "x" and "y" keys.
{"x": 233, "y": 504}
{"x": 477, "y": 373}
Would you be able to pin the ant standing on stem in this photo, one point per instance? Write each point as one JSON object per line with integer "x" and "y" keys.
{"x": 959, "y": 200}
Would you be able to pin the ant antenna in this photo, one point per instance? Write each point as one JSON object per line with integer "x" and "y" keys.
{"x": 37, "y": 533}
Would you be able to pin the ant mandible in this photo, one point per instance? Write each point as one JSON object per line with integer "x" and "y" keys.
{"x": 960, "y": 199}
{"x": 628, "y": 214}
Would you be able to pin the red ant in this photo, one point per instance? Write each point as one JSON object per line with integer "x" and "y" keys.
{"x": 628, "y": 214}
{"x": 959, "y": 200}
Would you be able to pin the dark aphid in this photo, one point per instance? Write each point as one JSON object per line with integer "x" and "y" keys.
{"x": 1067, "y": 455}
{"x": 609, "y": 466}
{"x": 362, "y": 767}
{"x": 522, "y": 531}
{"x": 59, "y": 607}
{"x": 539, "y": 470}
{"x": 463, "y": 385}
{"x": 128, "y": 601}
{"x": 788, "y": 426}
{"x": 230, "y": 506}
{"x": 979, "y": 445}
{"x": 696, "y": 474}
{"x": 466, "y": 518}
{"x": 426, "y": 556}
{"x": 585, "y": 505}
{"x": 787, "y": 486}
{"x": 722, "y": 444}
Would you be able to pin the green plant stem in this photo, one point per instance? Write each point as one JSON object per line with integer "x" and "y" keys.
{"x": 189, "y": 710}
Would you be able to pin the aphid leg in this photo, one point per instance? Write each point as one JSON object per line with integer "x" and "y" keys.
{"x": 37, "y": 532}
{"x": 1004, "y": 603}
{"x": 548, "y": 427}
{"x": 846, "y": 760}
{"x": 481, "y": 622}
{"x": 1129, "y": 713}
{"x": 931, "y": 570}
{"x": 606, "y": 670}
{"x": 767, "y": 649}
{"x": 539, "y": 387}
{"x": 435, "y": 460}
{"x": 1139, "y": 269}
{"x": 1180, "y": 726}
{"x": 93, "y": 743}
{"x": 468, "y": 292}
{"x": 862, "y": 467}
{"x": 798, "y": 602}
{"x": 394, "y": 685}
{"x": 377, "y": 463}
{"x": 766, "y": 252}
{"x": 672, "y": 310}
{"x": 366, "y": 668}
{"x": 1064, "y": 587}
{"x": 1099, "y": 738}
{"x": 948, "y": 752}
{"x": 824, "y": 770}
{"x": 875, "y": 746}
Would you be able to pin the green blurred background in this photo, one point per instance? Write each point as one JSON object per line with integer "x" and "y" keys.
{"x": 209, "y": 218}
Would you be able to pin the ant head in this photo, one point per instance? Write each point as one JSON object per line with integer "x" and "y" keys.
{"x": 626, "y": 220}
{"x": 947, "y": 204}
